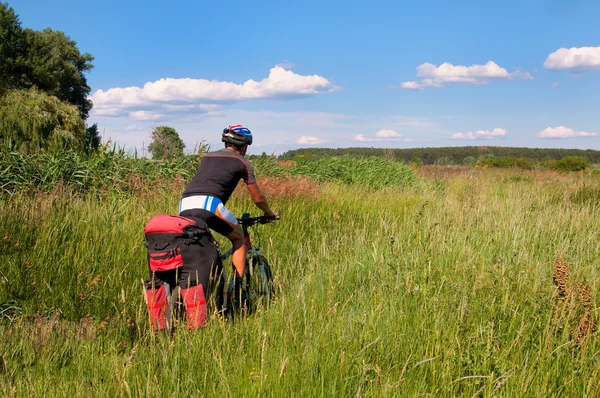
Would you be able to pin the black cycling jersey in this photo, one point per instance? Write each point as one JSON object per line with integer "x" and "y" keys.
{"x": 219, "y": 173}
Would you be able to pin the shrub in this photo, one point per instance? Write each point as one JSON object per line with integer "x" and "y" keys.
{"x": 572, "y": 163}
{"x": 469, "y": 161}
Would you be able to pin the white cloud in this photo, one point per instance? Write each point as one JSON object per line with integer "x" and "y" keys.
{"x": 309, "y": 140}
{"x": 362, "y": 138}
{"x": 576, "y": 59}
{"x": 190, "y": 107}
{"x": 555, "y": 84}
{"x": 279, "y": 83}
{"x": 563, "y": 132}
{"x": 383, "y": 133}
{"x": 446, "y": 73}
{"x": 146, "y": 115}
{"x": 480, "y": 134}
{"x": 411, "y": 85}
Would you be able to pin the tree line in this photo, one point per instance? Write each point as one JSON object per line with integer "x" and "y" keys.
{"x": 465, "y": 155}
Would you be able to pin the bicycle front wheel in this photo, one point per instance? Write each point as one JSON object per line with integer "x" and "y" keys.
{"x": 260, "y": 282}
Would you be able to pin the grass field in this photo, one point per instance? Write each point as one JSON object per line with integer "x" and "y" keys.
{"x": 443, "y": 287}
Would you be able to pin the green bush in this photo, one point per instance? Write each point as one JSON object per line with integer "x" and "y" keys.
{"x": 506, "y": 162}
{"x": 572, "y": 163}
{"x": 469, "y": 161}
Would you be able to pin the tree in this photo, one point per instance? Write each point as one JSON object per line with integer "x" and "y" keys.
{"x": 33, "y": 119}
{"x": 48, "y": 60}
{"x": 56, "y": 66}
{"x": 92, "y": 138}
{"x": 165, "y": 143}
{"x": 12, "y": 49}
{"x": 469, "y": 161}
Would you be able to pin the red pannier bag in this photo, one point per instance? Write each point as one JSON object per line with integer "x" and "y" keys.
{"x": 165, "y": 237}
{"x": 174, "y": 242}
{"x": 182, "y": 252}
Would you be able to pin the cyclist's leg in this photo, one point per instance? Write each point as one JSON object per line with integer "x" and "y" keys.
{"x": 238, "y": 257}
{"x": 236, "y": 236}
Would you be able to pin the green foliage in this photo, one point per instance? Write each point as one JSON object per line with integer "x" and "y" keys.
{"x": 469, "y": 161}
{"x": 12, "y": 48}
{"x": 48, "y": 60}
{"x": 572, "y": 163}
{"x": 33, "y": 119}
{"x": 505, "y": 162}
{"x": 569, "y": 163}
{"x": 115, "y": 169}
{"x": 166, "y": 143}
{"x": 443, "y": 161}
{"x": 92, "y": 138}
{"x": 266, "y": 165}
{"x": 416, "y": 162}
{"x": 373, "y": 172}
{"x": 304, "y": 157}
{"x": 103, "y": 169}
{"x": 56, "y": 66}
{"x": 455, "y": 155}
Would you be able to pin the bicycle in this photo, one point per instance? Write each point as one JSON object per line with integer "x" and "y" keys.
{"x": 257, "y": 288}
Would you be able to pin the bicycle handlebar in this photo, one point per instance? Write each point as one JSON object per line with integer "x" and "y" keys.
{"x": 248, "y": 221}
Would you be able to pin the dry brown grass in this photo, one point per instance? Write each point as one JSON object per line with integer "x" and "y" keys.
{"x": 290, "y": 187}
{"x": 286, "y": 163}
{"x": 446, "y": 172}
{"x": 285, "y": 187}
{"x": 574, "y": 302}
{"x": 41, "y": 329}
{"x": 560, "y": 276}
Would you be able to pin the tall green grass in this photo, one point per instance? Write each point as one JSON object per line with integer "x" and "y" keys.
{"x": 373, "y": 171}
{"x": 46, "y": 169}
{"x": 115, "y": 169}
{"x": 443, "y": 291}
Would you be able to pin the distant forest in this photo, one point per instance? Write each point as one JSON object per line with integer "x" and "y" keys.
{"x": 444, "y": 155}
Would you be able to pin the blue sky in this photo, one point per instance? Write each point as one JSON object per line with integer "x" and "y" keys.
{"x": 339, "y": 73}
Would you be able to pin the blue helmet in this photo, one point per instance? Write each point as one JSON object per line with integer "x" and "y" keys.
{"x": 237, "y": 134}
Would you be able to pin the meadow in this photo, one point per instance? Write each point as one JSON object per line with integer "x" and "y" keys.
{"x": 438, "y": 281}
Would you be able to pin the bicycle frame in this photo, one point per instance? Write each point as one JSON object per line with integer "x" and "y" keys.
{"x": 257, "y": 270}
{"x": 246, "y": 222}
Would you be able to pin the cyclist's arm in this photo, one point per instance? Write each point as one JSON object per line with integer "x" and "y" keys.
{"x": 259, "y": 199}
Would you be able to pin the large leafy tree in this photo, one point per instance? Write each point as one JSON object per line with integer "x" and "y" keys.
{"x": 56, "y": 66}
{"x": 33, "y": 119}
{"x": 48, "y": 60}
{"x": 165, "y": 143}
{"x": 12, "y": 49}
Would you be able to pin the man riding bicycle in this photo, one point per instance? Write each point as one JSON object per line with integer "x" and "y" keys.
{"x": 215, "y": 180}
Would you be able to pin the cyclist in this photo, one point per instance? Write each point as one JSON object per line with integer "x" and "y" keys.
{"x": 215, "y": 180}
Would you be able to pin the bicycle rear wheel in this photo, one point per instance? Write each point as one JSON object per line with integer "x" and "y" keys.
{"x": 175, "y": 309}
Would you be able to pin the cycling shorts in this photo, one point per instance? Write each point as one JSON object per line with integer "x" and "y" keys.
{"x": 211, "y": 210}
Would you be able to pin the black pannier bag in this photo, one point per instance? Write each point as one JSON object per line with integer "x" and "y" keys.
{"x": 181, "y": 252}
